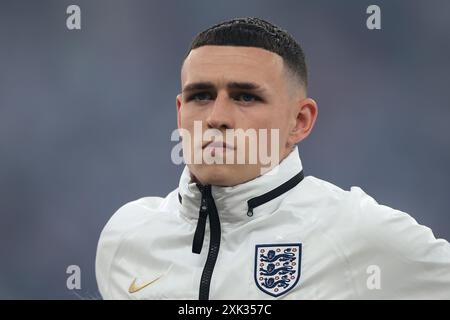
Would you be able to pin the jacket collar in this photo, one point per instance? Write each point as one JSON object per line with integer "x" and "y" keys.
{"x": 232, "y": 202}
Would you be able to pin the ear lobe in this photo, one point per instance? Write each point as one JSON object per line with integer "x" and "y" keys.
{"x": 306, "y": 117}
{"x": 178, "y": 103}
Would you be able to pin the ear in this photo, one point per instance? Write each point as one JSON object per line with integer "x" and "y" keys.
{"x": 305, "y": 115}
{"x": 178, "y": 102}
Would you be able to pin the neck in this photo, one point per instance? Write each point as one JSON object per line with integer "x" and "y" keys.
{"x": 233, "y": 202}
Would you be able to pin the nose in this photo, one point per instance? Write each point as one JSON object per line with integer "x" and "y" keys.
{"x": 221, "y": 114}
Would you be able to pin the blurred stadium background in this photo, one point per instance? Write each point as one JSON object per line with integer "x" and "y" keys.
{"x": 86, "y": 116}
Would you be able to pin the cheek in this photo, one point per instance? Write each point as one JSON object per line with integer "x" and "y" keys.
{"x": 186, "y": 117}
{"x": 256, "y": 117}
{"x": 189, "y": 114}
{"x": 267, "y": 119}
{"x": 276, "y": 121}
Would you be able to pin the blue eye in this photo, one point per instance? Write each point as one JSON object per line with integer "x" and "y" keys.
{"x": 201, "y": 96}
{"x": 246, "y": 97}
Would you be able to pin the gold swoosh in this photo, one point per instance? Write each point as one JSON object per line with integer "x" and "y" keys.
{"x": 135, "y": 288}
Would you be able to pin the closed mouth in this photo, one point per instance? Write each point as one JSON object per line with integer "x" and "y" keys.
{"x": 218, "y": 144}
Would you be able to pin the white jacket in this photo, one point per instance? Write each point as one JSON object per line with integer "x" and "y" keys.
{"x": 305, "y": 240}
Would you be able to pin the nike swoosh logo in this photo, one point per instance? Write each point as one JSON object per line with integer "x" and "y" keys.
{"x": 135, "y": 288}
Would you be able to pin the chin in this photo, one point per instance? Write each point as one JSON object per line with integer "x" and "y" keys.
{"x": 222, "y": 174}
{"x": 218, "y": 175}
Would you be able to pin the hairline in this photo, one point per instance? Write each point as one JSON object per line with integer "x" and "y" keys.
{"x": 289, "y": 72}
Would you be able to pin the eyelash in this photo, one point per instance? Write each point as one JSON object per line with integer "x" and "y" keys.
{"x": 255, "y": 97}
{"x": 193, "y": 96}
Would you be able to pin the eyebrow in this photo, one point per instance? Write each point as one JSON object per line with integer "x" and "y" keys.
{"x": 196, "y": 86}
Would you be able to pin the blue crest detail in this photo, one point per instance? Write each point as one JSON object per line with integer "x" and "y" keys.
{"x": 277, "y": 267}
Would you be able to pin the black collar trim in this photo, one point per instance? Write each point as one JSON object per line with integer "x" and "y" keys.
{"x": 266, "y": 197}
{"x": 278, "y": 191}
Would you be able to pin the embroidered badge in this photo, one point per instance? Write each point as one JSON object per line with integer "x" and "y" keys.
{"x": 277, "y": 267}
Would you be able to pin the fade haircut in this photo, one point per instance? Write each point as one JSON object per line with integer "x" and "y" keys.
{"x": 255, "y": 32}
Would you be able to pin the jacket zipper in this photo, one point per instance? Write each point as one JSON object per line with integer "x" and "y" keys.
{"x": 207, "y": 209}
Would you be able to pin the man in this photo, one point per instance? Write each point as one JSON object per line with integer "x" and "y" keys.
{"x": 244, "y": 230}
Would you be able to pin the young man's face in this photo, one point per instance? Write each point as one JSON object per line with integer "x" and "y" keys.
{"x": 231, "y": 87}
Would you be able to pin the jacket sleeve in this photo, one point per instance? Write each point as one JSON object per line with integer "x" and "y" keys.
{"x": 395, "y": 257}
{"x": 126, "y": 219}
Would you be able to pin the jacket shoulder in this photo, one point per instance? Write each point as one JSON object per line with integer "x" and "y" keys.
{"x": 121, "y": 224}
{"x": 412, "y": 262}
{"x": 373, "y": 237}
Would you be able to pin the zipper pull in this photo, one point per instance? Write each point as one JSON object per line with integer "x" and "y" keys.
{"x": 199, "y": 234}
{"x": 204, "y": 205}
{"x": 250, "y": 211}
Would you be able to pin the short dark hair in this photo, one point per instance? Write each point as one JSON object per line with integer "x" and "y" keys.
{"x": 255, "y": 32}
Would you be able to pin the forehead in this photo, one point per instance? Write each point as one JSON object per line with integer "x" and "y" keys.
{"x": 232, "y": 63}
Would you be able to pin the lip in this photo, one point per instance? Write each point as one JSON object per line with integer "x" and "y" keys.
{"x": 218, "y": 144}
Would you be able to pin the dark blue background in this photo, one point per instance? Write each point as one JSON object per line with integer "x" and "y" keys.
{"x": 86, "y": 116}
